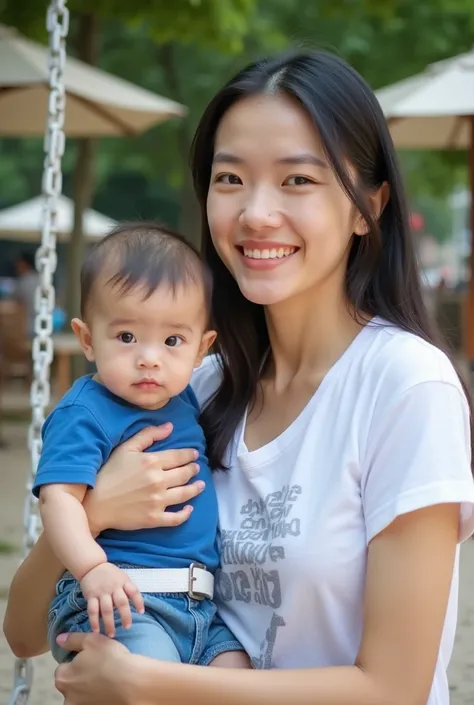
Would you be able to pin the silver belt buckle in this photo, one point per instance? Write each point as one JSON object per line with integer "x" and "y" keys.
{"x": 192, "y": 594}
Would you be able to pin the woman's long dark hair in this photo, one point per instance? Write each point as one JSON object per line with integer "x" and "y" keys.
{"x": 382, "y": 275}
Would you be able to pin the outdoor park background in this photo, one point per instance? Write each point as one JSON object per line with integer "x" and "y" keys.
{"x": 185, "y": 50}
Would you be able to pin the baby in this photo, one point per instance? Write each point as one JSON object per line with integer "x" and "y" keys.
{"x": 145, "y": 314}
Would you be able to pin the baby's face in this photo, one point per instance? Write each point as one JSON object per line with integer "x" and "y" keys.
{"x": 146, "y": 349}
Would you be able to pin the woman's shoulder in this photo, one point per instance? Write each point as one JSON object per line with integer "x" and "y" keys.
{"x": 399, "y": 360}
{"x": 206, "y": 379}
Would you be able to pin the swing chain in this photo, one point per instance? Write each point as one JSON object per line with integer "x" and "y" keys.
{"x": 46, "y": 260}
{"x": 23, "y": 678}
{"x": 57, "y": 24}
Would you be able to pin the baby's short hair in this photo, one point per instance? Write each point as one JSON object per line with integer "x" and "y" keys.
{"x": 144, "y": 254}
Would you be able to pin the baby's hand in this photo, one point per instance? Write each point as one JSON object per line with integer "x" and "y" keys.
{"x": 106, "y": 587}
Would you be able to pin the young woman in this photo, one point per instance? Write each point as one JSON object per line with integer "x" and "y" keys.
{"x": 344, "y": 428}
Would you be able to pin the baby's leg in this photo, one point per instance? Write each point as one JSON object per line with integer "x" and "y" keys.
{"x": 68, "y": 613}
{"x": 146, "y": 637}
{"x": 232, "y": 659}
{"x": 223, "y": 649}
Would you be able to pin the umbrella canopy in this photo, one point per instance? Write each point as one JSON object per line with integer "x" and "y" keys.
{"x": 98, "y": 104}
{"x": 435, "y": 110}
{"x": 23, "y": 222}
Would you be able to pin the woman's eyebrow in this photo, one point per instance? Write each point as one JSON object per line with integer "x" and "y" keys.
{"x": 227, "y": 158}
{"x": 303, "y": 158}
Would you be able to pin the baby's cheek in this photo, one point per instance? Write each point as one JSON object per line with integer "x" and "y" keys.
{"x": 180, "y": 373}
{"x": 115, "y": 370}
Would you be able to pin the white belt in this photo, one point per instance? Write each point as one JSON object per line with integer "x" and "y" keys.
{"x": 196, "y": 581}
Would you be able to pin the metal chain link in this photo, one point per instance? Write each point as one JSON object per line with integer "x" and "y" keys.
{"x": 57, "y": 24}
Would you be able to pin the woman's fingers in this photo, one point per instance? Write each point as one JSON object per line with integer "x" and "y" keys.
{"x": 170, "y": 459}
{"x": 175, "y": 518}
{"x": 180, "y": 495}
{"x": 147, "y": 436}
{"x": 180, "y": 476}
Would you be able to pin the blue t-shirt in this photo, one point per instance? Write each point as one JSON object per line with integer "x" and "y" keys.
{"x": 78, "y": 438}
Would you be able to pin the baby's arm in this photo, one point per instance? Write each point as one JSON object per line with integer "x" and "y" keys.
{"x": 75, "y": 446}
{"x": 104, "y": 586}
{"x": 66, "y": 526}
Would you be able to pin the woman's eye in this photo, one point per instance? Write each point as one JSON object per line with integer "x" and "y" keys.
{"x": 173, "y": 341}
{"x": 126, "y": 337}
{"x": 298, "y": 181}
{"x": 229, "y": 179}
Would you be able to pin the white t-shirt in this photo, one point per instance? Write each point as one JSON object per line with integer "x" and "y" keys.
{"x": 387, "y": 432}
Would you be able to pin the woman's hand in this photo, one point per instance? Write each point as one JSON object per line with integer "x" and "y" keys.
{"x": 134, "y": 489}
{"x": 98, "y": 674}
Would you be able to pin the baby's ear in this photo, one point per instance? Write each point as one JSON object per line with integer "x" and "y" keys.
{"x": 207, "y": 342}
{"x": 84, "y": 336}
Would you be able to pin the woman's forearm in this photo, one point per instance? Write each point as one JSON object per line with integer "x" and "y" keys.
{"x": 155, "y": 684}
{"x": 31, "y": 592}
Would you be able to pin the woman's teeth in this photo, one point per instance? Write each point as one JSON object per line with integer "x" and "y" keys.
{"x": 274, "y": 253}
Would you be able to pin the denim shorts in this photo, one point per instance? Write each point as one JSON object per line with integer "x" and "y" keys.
{"x": 174, "y": 627}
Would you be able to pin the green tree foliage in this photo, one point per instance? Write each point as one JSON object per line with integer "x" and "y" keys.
{"x": 186, "y": 49}
{"x": 219, "y": 23}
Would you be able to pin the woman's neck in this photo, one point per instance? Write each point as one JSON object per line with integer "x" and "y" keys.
{"x": 308, "y": 335}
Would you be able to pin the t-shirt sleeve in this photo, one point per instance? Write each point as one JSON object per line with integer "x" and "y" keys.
{"x": 419, "y": 454}
{"x": 206, "y": 379}
{"x": 75, "y": 446}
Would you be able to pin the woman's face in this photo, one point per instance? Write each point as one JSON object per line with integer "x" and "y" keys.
{"x": 278, "y": 217}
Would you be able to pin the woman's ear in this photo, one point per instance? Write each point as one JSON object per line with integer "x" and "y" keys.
{"x": 84, "y": 336}
{"x": 377, "y": 201}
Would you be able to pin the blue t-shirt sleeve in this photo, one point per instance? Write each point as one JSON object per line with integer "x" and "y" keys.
{"x": 75, "y": 446}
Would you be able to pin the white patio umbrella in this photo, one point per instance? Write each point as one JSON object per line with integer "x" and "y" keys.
{"x": 98, "y": 104}
{"x": 23, "y": 222}
{"x": 435, "y": 110}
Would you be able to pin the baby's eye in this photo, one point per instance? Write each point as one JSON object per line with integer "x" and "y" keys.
{"x": 173, "y": 341}
{"x": 126, "y": 338}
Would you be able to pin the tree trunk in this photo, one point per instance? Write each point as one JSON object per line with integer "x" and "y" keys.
{"x": 87, "y": 43}
{"x": 189, "y": 218}
{"x": 82, "y": 197}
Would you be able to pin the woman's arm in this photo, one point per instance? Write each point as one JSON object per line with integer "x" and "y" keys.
{"x": 133, "y": 491}
{"x": 409, "y": 575}
{"x": 29, "y": 597}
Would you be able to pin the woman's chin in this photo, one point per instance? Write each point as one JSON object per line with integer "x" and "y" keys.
{"x": 262, "y": 295}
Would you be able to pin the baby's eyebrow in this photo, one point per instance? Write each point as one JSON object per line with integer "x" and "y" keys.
{"x": 122, "y": 322}
{"x": 178, "y": 326}
{"x": 168, "y": 325}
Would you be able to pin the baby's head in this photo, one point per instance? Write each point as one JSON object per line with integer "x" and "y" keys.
{"x": 145, "y": 313}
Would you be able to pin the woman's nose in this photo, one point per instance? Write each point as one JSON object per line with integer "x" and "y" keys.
{"x": 260, "y": 212}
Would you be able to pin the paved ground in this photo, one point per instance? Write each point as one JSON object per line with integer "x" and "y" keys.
{"x": 13, "y": 467}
